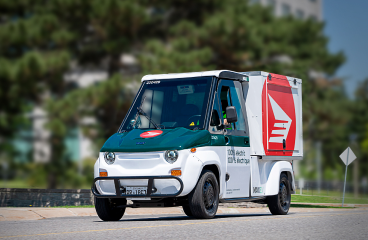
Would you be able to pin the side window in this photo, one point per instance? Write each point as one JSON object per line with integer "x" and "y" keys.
{"x": 225, "y": 102}
{"x": 236, "y": 96}
{"x": 230, "y": 94}
{"x": 215, "y": 123}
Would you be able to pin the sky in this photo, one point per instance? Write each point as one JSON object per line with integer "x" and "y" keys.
{"x": 347, "y": 28}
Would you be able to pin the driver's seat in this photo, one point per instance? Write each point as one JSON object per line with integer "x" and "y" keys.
{"x": 185, "y": 113}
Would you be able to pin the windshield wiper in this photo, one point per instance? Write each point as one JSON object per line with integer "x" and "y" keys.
{"x": 141, "y": 112}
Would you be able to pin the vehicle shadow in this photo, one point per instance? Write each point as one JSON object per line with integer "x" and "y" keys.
{"x": 144, "y": 218}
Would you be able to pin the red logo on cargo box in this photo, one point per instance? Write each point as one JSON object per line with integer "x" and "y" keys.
{"x": 278, "y": 121}
{"x": 150, "y": 134}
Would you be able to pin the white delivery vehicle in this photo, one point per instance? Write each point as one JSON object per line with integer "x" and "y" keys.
{"x": 197, "y": 139}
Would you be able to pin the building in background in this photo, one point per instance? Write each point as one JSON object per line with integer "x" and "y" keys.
{"x": 78, "y": 147}
{"x": 33, "y": 144}
{"x": 302, "y": 9}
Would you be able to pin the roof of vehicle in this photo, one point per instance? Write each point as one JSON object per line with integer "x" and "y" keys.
{"x": 217, "y": 73}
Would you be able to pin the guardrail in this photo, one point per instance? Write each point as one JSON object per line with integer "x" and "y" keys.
{"x": 20, "y": 197}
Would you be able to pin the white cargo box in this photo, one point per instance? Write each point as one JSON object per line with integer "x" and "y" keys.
{"x": 274, "y": 111}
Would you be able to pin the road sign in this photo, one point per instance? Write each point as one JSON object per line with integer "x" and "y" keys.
{"x": 347, "y": 156}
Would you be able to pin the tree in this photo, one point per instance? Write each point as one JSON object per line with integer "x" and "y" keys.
{"x": 164, "y": 36}
{"x": 40, "y": 40}
{"x": 359, "y": 126}
{"x": 242, "y": 38}
{"x": 32, "y": 63}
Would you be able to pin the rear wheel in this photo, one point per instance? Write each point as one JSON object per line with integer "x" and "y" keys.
{"x": 107, "y": 209}
{"x": 204, "y": 199}
{"x": 280, "y": 203}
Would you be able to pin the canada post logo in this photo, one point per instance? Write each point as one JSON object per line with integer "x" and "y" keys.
{"x": 278, "y": 118}
{"x": 282, "y": 124}
{"x": 150, "y": 134}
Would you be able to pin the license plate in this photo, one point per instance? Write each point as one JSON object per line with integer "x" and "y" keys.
{"x": 136, "y": 191}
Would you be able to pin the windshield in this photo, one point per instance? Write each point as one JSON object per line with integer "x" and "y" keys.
{"x": 170, "y": 103}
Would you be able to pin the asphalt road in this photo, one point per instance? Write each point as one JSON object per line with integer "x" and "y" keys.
{"x": 351, "y": 224}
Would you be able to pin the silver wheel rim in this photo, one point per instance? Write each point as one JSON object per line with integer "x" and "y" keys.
{"x": 284, "y": 196}
{"x": 209, "y": 198}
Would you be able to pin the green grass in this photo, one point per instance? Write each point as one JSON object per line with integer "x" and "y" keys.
{"x": 17, "y": 183}
{"x": 330, "y": 193}
{"x": 313, "y": 206}
{"x": 326, "y": 199}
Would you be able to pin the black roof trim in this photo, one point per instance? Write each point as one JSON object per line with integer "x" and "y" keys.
{"x": 232, "y": 75}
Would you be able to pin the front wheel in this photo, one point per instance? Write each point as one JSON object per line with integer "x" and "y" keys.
{"x": 107, "y": 208}
{"x": 186, "y": 210}
{"x": 280, "y": 203}
{"x": 204, "y": 199}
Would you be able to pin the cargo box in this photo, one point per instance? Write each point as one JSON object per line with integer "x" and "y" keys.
{"x": 274, "y": 110}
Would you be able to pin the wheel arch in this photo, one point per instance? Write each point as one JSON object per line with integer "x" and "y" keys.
{"x": 96, "y": 172}
{"x": 273, "y": 180}
{"x": 215, "y": 169}
{"x": 211, "y": 161}
{"x": 291, "y": 179}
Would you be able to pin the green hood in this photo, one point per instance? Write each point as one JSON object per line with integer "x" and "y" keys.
{"x": 170, "y": 139}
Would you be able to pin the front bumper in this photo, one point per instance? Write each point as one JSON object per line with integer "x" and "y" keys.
{"x": 119, "y": 193}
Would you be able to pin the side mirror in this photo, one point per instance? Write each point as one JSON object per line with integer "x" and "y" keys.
{"x": 231, "y": 114}
{"x": 215, "y": 119}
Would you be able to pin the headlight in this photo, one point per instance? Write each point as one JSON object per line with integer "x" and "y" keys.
{"x": 109, "y": 157}
{"x": 171, "y": 156}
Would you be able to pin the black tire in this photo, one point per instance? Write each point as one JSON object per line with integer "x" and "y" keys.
{"x": 280, "y": 203}
{"x": 187, "y": 211}
{"x": 106, "y": 208}
{"x": 204, "y": 199}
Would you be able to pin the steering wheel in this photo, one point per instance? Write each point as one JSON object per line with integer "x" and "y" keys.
{"x": 193, "y": 119}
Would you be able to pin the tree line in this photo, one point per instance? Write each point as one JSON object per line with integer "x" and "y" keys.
{"x": 41, "y": 41}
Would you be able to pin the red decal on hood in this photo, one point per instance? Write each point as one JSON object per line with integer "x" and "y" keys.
{"x": 150, "y": 134}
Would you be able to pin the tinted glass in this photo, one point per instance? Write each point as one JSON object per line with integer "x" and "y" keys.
{"x": 230, "y": 94}
{"x": 170, "y": 103}
{"x": 236, "y": 102}
{"x": 215, "y": 123}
